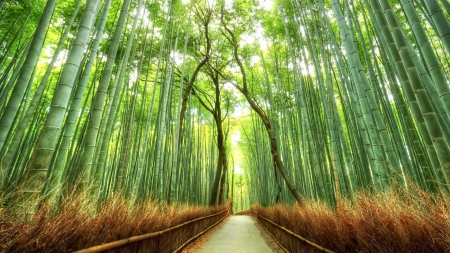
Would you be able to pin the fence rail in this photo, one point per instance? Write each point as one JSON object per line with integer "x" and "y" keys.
{"x": 293, "y": 234}
{"x": 273, "y": 237}
{"x": 199, "y": 234}
{"x": 138, "y": 238}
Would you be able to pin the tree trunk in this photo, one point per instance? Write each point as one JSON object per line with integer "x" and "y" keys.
{"x": 262, "y": 115}
{"x": 223, "y": 179}
{"x": 220, "y": 161}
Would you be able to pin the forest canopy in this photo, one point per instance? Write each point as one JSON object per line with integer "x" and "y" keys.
{"x": 196, "y": 101}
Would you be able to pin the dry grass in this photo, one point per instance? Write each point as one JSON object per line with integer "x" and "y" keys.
{"x": 245, "y": 212}
{"x": 389, "y": 222}
{"x": 80, "y": 224}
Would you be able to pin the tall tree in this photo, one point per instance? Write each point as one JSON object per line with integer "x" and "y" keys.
{"x": 243, "y": 88}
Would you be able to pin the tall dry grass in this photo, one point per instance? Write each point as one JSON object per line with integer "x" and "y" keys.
{"x": 80, "y": 223}
{"x": 390, "y": 222}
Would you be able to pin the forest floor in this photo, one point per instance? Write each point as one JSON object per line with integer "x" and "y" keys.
{"x": 237, "y": 234}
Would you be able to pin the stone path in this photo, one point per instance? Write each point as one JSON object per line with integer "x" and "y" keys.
{"x": 238, "y": 235}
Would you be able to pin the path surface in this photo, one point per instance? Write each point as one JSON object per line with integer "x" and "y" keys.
{"x": 238, "y": 235}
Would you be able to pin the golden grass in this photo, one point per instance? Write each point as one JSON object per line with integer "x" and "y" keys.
{"x": 80, "y": 224}
{"x": 244, "y": 212}
{"x": 388, "y": 222}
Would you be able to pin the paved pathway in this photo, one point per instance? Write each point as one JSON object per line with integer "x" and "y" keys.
{"x": 238, "y": 235}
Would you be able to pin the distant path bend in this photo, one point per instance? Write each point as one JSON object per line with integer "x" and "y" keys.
{"x": 238, "y": 235}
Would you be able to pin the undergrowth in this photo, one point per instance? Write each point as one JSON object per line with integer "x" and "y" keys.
{"x": 81, "y": 223}
{"x": 413, "y": 221}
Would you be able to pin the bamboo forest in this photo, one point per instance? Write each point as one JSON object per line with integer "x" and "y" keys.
{"x": 138, "y": 125}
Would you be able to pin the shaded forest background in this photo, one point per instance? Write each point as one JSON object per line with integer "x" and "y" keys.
{"x": 196, "y": 101}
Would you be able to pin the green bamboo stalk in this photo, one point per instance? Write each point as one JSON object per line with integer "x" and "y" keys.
{"x": 40, "y": 161}
{"x": 432, "y": 124}
{"x": 18, "y": 135}
{"x": 99, "y": 101}
{"x": 440, "y": 21}
{"x": 26, "y": 70}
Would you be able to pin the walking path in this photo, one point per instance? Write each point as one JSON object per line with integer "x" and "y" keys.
{"x": 238, "y": 235}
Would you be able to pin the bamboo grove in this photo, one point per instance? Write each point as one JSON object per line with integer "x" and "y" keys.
{"x": 142, "y": 98}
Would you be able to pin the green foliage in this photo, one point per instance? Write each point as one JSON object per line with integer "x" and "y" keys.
{"x": 326, "y": 75}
